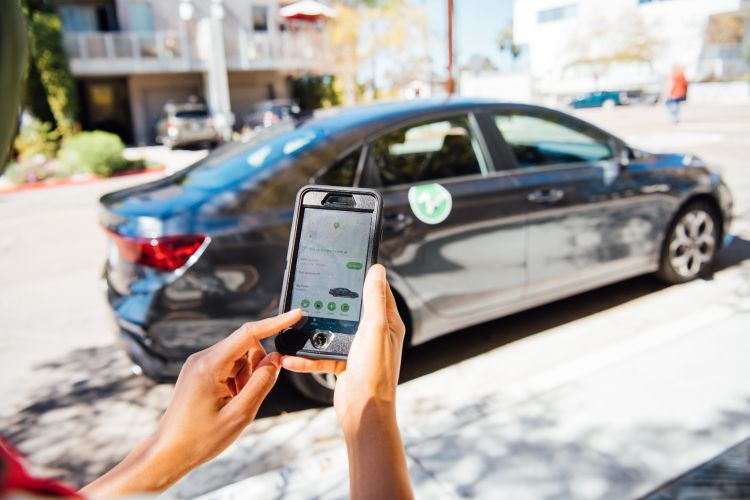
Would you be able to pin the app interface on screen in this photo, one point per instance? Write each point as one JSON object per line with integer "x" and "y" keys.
{"x": 330, "y": 268}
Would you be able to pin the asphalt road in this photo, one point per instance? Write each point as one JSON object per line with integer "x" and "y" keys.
{"x": 70, "y": 401}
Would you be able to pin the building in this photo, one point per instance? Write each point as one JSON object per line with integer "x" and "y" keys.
{"x": 129, "y": 57}
{"x": 577, "y": 46}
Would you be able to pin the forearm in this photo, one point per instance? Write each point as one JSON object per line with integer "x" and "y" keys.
{"x": 145, "y": 470}
{"x": 377, "y": 464}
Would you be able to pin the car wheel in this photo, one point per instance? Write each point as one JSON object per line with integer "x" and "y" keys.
{"x": 316, "y": 386}
{"x": 691, "y": 243}
{"x": 609, "y": 104}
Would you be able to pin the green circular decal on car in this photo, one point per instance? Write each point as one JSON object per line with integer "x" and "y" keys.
{"x": 431, "y": 203}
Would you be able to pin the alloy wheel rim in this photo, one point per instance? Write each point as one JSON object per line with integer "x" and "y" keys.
{"x": 327, "y": 380}
{"x": 693, "y": 243}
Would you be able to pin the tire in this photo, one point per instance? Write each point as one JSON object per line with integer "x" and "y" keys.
{"x": 691, "y": 243}
{"x": 609, "y": 104}
{"x": 318, "y": 387}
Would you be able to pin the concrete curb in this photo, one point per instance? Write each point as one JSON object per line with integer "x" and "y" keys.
{"x": 74, "y": 181}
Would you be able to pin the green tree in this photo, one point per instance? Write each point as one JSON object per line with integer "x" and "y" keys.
{"x": 50, "y": 92}
{"x": 313, "y": 91}
{"x": 369, "y": 37}
{"x": 505, "y": 42}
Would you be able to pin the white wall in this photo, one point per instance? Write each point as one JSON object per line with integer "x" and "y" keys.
{"x": 678, "y": 26}
{"x": 503, "y": 87}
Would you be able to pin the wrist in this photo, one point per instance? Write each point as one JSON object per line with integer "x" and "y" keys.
{"x": 371, "y": 414}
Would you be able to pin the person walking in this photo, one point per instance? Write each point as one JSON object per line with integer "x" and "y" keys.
{"x": 678, "y": 87}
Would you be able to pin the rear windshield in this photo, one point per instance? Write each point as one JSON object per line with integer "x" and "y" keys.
{"x": 193, "y": 113}
{"x": 239, "y": 161}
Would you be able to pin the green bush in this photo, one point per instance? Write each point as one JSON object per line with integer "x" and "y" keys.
{"x": 36, "y": 138}
{"x": 95, "y": 152}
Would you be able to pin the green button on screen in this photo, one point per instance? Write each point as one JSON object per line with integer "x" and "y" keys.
{"x": 354, "y": 265}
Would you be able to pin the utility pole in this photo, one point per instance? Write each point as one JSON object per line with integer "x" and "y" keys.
{"x": 450, "y": 84}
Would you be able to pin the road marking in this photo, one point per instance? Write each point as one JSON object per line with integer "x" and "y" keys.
{"x": 614, "y": 354}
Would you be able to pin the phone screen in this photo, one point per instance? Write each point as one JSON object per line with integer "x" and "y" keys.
{"x": 330, "y": 268}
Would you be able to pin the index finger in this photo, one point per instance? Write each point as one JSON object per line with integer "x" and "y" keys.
{"x": 248, "y": 335}
{"x": 306, "y": 365}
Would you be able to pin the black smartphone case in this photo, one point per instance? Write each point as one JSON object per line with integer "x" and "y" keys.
{"x": 298, "y": 342}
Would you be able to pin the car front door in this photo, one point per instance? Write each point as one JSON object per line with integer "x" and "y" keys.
{"x": 566, "y": 170}
{"x": 449, "y": 228}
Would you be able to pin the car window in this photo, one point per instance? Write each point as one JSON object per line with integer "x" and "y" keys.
{"x": 342, "y": 172}
{"x": 433, "y": 150}
{"x": 545, "y": 140}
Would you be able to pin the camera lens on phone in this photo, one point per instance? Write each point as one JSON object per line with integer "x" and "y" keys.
{"x": 319, "y": 340}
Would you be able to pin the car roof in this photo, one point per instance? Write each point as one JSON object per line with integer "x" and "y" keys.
{"x": 359, "y": 116}
{"x": 359, "y": 122}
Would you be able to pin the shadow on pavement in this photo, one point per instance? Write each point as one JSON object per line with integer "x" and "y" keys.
{"x": 83, "y": 413}
{"x": 530, "y": 447}
{"x": 736, "y": 252}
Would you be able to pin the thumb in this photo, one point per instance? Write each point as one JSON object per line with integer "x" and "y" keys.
{"x": 374, "y": 297}
{"x": 262, "y": 380}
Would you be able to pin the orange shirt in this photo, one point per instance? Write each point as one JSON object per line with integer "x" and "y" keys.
{"x": 679, "y": 86}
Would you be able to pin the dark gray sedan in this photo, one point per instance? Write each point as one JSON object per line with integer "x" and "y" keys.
{"x": 490, "y": 208}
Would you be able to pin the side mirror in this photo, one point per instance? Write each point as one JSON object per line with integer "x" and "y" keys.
{"x": 623, "y": 157}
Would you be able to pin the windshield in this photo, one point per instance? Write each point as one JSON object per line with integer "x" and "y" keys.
{"x": 240, "y": 161}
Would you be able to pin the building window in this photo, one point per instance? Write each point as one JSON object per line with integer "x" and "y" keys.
{"x": 88, "y": 17}
{"x": 140, "y": 16}
{"x": 260, "y": 18}
{"x": 558, "y": 13}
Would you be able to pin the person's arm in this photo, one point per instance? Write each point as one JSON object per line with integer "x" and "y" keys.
{"x": 217, "y": 395}
{"x": 365, "y": 395}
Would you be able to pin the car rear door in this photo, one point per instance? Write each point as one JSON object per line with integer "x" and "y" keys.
{"x": 566, "y": 170}
{"x": 450, "y": 231}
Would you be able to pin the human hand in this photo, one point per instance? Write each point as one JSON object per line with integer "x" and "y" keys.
{"x": 370, "y": 376}
{"x": 218, "y": 393}
{"x": 365, "y": 395}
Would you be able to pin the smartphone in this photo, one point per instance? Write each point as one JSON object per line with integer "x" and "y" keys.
{"x": 333, "y": 242}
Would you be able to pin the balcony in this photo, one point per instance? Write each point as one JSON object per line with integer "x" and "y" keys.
{"x": 124, "y": 52}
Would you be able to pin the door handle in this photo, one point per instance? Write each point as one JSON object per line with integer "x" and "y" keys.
{"x": 397, "y": 223}
{"x": 546, "y": 196}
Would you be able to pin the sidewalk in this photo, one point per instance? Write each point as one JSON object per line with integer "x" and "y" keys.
{"x": 559, "y": 414}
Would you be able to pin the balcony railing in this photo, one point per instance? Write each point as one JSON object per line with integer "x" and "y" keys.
{"x": 124, "y": 52}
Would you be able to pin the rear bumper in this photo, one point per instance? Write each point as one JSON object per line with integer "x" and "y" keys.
{"x": 152, "y": 364}
{"x": 192, "y": 137}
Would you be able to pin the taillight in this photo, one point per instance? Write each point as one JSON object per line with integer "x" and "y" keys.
{"x": 171, "y": 123}
{"x": 165, "y": 253}
{"x": 269, "y": 117}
